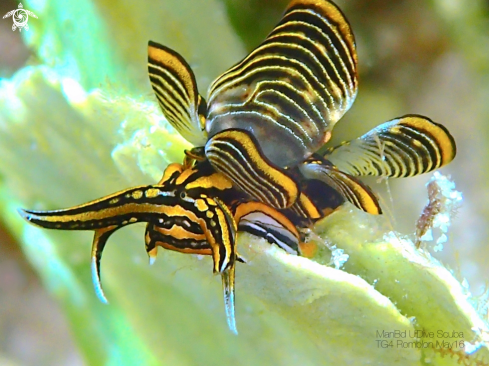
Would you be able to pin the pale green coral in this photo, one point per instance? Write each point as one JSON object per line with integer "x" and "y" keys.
{"x": 419, "y": 286}
{"x": 286, "y": 299}
{"x": 63, "y": 143}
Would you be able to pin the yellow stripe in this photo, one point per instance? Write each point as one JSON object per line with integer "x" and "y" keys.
{"x": 282, "y": 187}
{"x": 179, "y": 233}
{"x": 169, "y": 171}
{"x": 186, "y": 250}
{"x": 308, "y": 207}
{"x": 184, "y": 176}
{"x": 216, "y": 180}
{"x": 444, "y": 140}
{"x": 249, "y": 207}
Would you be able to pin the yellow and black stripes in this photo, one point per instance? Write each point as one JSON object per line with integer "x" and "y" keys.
{"x": 222, "y": 237}
{"x": 291, "y": 90}
{"x": 403, "y": 147}
{"x": 122, "y": 208}
{"x": 349, "y": 187}
{"x": 228, "y": 281}
{"x": 175, "y": 88}
{"x": 305, "y": 211}
{"x": 265, "y": 222}
{"x": 99, "y": 240}
{"x": 221, "y": 232}
{"x": 235, "y": 153}
{"x": 178, "y": 234}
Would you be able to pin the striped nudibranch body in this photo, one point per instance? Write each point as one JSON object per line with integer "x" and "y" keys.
{"x": 256, "y": 166}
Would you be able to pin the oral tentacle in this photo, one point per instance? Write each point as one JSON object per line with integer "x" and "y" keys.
{"x": 151, "y": 248}
{"x": 228, "y": 278}
{"x": 99, "y": 240}
{"x": 221, "y": 231}
{"x": 145, "y": 203}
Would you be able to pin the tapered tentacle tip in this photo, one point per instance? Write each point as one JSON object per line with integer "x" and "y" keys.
{"x": 241, "y": 259}
{"x": 152, "y": 255}
{"x": 99, "y": 240}
{"x": 25, "y": 214}
{"x": 232, "y": 325}
{"x": 228, "y": 288}
{"x": 97, "y": 284}
{"x": 38, "y": 218}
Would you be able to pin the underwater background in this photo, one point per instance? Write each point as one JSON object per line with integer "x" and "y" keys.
{"x": 78, "y": 120}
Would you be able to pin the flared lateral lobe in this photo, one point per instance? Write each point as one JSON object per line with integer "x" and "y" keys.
{"x": 403, "y": 147}
{"x": 352, "y": 189}
{"x": 174, "y": 84}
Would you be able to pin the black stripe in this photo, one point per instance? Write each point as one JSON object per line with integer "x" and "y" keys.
{"x": 224, "y": 150}
{"x": 270, "y": 235}
{"x": 332, "y": 65}
{"x": 326, "y": 24}
{"x": 187, "y": 243}
{"x": 155, "y": 74}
